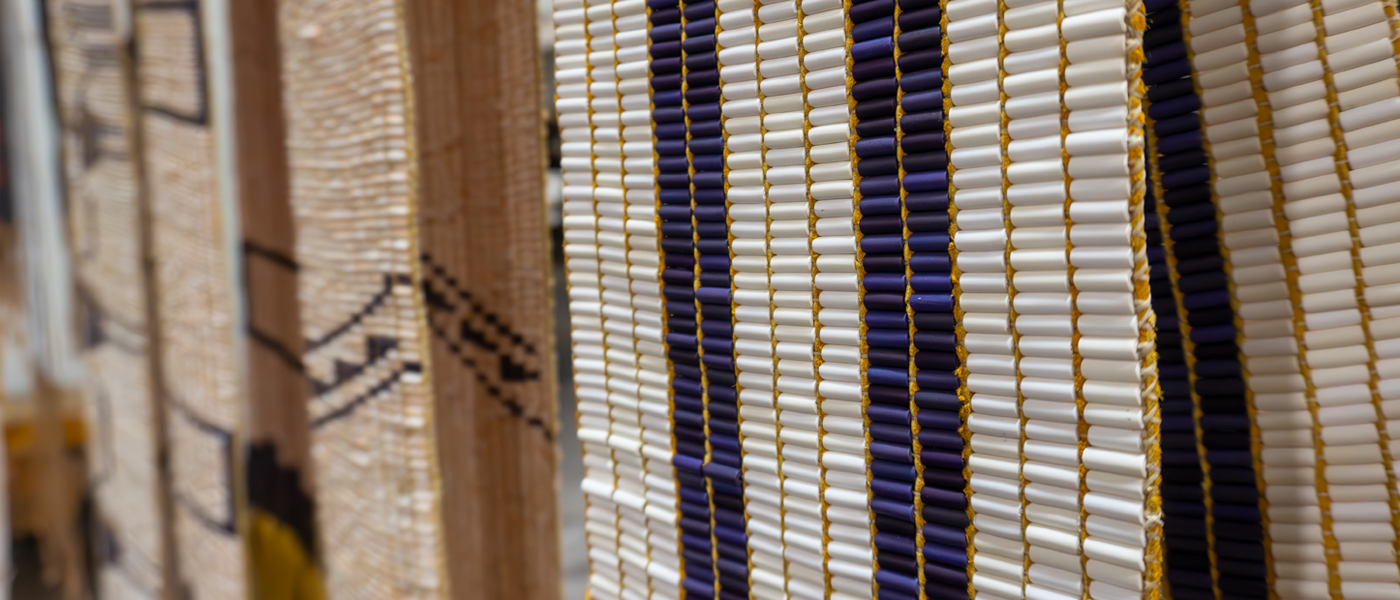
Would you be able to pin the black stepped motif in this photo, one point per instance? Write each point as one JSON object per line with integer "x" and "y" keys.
{"x": 200, "y": 116}
{"x": 376, "y": 301}
{"x": 382, "y": 386}
{"x": 226, "y": 525}
{"x": 447, "y": 300}
{"x": 376, "y": 348}
{"x": 496, "y": 337}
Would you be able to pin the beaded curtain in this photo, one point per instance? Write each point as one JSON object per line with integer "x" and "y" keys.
{"x": 1004, "y": 299}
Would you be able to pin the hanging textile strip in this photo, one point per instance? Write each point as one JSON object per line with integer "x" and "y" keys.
{"x": 678, "y": 248}
{"x": 575, "y": 29}
{"x": 641, "y": 145}
{"x": 1184, "y": 277}
{"x": 108, "y": 232}
{"x": 637, "y": 385}
{"x": 843, "y": 443}
{"x": 1185, "y": 544}
{"x": 893, "y": 468}
{"x": 936, "y": 412}
{"x": 1304, "y": 93}
{"x": 364, "y": 317}
{"x": 196, "y": 293}
{"x": 823, "y": 48}
{"x": 1294, "y": 516}
{"x": 724, "y": 464}
{"x": 736, "y": 44}
{"x": 1045, "y": 296}
{"x": 1360, "y": 68}
{"x": 1236, "y": 481}
{"x": 1361, "y": 63}
{"x": 974, "y": 106}
{"x": 789, "y": 281}
{"x": 1044, "y": 306}
{"x": 1115, "y": 329}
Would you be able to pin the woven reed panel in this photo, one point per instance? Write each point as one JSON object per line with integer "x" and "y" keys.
{"x": 106, "y": 222}
{"x": 195, "y": 297}
{"x": 352, "y": 195}
{"x": 281, "y": 534}
{"x": 486, "y": 279}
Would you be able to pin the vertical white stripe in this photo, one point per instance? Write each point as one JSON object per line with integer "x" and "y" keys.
{"x": 573, "y": 32}
{"x": 848, "y": 538}
{"x": 738, "y": 61}
{"x": 981, "y": 240}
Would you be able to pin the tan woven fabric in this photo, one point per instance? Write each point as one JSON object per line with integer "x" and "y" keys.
{"x": 195, "y": 297}
{"x": 351, "y": 192}
{"x": 105, "y": 222}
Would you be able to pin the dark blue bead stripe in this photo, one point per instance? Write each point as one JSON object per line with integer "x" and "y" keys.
{"x": 678, "y": 287}
{"x": 723, "y": 468}
{"x": 894, "y": 458}
{"x": 1217, "y": 535}
{"x": 938, "y": 408}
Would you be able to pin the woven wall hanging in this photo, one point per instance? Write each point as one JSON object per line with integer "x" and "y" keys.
{"x": 108, "y": 229}
{"x": 994, "y": 298}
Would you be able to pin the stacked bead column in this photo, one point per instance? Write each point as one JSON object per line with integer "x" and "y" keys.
{"x": 628, "y": 20}
{"x": 660, "y": 499}
{"x": 1184, "y": 539}
{"x": 885, "y": 318}
{"x": 723, "y": 469}
{"x": 1369, "y": 118}
{"x": 938, "y": 423}
{"x": 1336, "y": 345}
{"x": 576, "y": 30}
{"x": 886, "y": 313}
{"x": 823, "y": 51}
{"x": 1360, "y": 60}
{"x": 1044, "y": 296}
{"x": 678, "y": 288}
{"x": 789, "y": 269}
{"x": 1175, "y": 153}
{"x": 1114, "y": 340}
{"x": 1240, "y": 181}
{"x": 1207, "y": 325}
{"x": 982, "y": 290}
{"x": 753, "y": 336}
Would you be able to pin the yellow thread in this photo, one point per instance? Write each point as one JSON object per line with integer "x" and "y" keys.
{"x": 1076, "y": 359}
{"x": 1147, "y": 318}
{"x": 964, "y": 395}
{"x": 817, "y": 344}
{"x": 1004, "y": 138}
{"x": 860, "y": 270}
{"x": 588, "y": 94}
{"x": 665, "y": 344}
{"x": 908, "y": 254}
{"x": 733, "y": 304}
